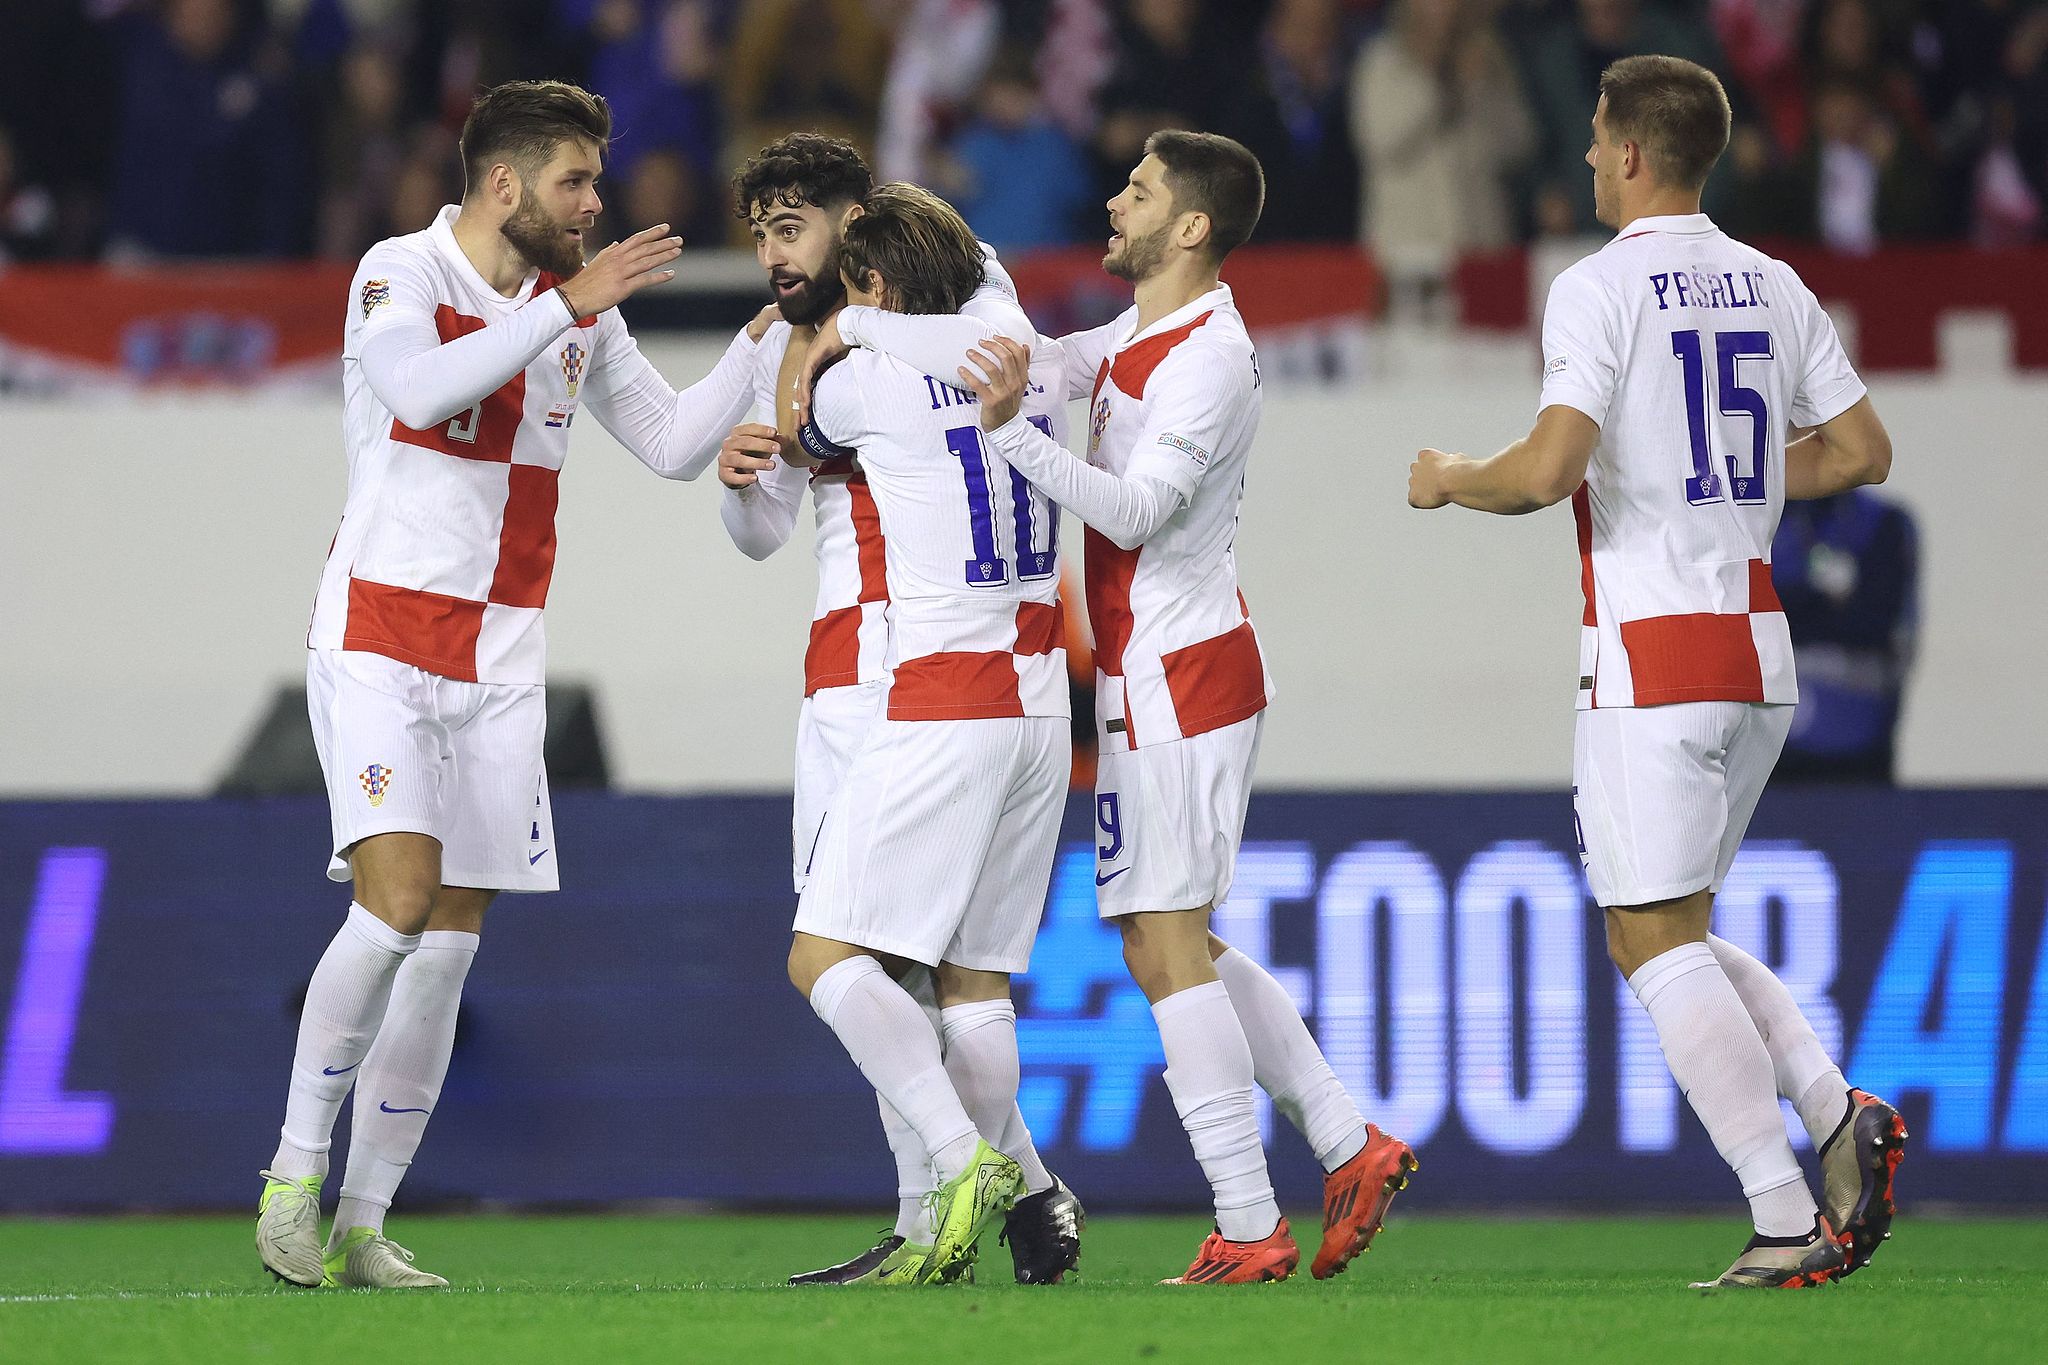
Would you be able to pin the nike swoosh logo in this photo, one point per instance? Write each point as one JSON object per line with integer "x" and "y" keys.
{"x": 536, "y": 857}
{"x": 1101, "y": 880}
{"x": 342, "y": 1071}
{"x": 385, "y": 1105}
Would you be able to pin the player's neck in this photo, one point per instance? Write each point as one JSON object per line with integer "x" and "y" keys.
{"x": 1170, "y": 291}
{"x": 496, "y": 259}
{"x": 1660, "y": 204}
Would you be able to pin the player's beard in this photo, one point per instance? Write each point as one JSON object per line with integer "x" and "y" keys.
{"x": 1141, "y": 257}
{"x": 545, "y": 243}
{"x": 810, "y": 301}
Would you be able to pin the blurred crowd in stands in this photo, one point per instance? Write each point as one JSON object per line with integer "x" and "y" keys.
{"x": 145, "y": 129}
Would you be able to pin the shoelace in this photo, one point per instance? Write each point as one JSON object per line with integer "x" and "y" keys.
{"x": 391, "y": 1246}
{"x": 298, "y": 1184}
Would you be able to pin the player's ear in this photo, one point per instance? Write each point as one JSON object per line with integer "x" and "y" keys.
{"x": 1194, "y": 230}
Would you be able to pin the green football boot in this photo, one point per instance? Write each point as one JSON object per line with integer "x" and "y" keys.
{"x": 367, "y": 1259}
{"x": 288, "y": 1228}
{"x": 967, "y": 1206}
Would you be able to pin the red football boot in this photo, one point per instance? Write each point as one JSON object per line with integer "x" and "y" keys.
{"x": 1221, "y": 1262}
{"x": 1355, "y": 1199}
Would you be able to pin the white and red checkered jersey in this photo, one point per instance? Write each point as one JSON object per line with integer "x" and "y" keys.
{"x": 1693, "y": 352}
{"x": 971, "y": 550}
{"x": 849, "y": 636}
{"x": 447, "y": 540}
{"x": 1175, "y": 651}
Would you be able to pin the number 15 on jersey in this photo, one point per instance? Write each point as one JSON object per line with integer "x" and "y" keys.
{"x": 1746, "y": 479}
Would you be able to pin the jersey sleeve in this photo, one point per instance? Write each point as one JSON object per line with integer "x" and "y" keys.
{"x": 422, "y": 380}
{"x": 838, "y": 423}
{"x": 937, "y": 344}
{"x": 761, "y": 517}
{"x": 676, "y": 435}
{"x": 1581, "y": 364}
{"x": 1827, "y": 385}
{"x": 1082, "y": 354}
{"x": 1192, "y": 402}
{"x": 392, "y": 287}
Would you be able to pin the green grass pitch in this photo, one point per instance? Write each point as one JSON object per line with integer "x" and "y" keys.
{"x": 563, "y": 1290}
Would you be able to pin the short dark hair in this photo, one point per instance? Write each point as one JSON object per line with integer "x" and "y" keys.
{"x": 1212, "y": 174}
{"x": 1675, "y": 110}
{"x": 522, "y": 123}
{"x": 799, "y": 169}
{"x": 927, "y": 254}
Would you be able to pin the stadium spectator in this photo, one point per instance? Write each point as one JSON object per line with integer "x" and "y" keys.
{"x": 1847, "y": 569}
{"x": 1862, "y": 178}
{"x": 1295, "y": 115}
{"x": 1569, "y": 55}
{"x": 1441, "y": 126}
{"x": 810, "y": 64}
{"x": 364, "y": 151}
{"x": 207, "y": 158}
{"x": 1016, "y": 178}
{"x": 941, "y": 51}
{"x": 656, "y": 62}
{"x": 1169, "y": 68}
{"x": 28, "y": 213}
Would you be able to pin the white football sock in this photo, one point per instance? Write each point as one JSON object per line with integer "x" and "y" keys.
{"x": 893, "y": 1044}
{"x": 980, "y": 1040}
{"x": 1209, "y": 1074}
{"x": 402, "y": 1075}
{"x": 1806, "y": 1075}
{"x": 344, "y": 1005}
{"x": 1719, "y": 1061}
{"x": 913, "y": 1174}
{"x": 1288, "y": 1065}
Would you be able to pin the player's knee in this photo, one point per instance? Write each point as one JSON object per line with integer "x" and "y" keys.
{"x": 1161, "y": 960}
{"x": 406, "y": 908}
{"x": 803, "y": 970}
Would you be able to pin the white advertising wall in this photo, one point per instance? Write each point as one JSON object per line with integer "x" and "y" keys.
{"x": 158, "y": 558}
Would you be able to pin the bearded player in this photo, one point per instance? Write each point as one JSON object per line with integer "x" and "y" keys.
{"x": 797, "y": 195}
{"x": 470, "y": 348}
{"x": 1181, "y": 688}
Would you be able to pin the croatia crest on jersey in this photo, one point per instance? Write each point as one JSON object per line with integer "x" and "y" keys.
{"x": 1097, "y": 422}
{"x": 376, "y": 780}
{"x": 573, "y": 357}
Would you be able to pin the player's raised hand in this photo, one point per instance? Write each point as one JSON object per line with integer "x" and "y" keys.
{"x": 826, "y": 347}
{"x": 623, "y": 269}
{"x": 998, "y": 371}
{"x": 1426, "y": 478}
{"x": 749, "y": 448}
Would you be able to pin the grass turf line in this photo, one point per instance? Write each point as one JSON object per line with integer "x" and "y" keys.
{"x": 619, "y": 1289}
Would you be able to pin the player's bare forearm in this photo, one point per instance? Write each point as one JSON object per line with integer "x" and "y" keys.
{"x": 1542, "y": 468}
{"x": 1852, "y": 450}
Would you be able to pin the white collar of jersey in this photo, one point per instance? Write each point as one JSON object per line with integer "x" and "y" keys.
{"x": 1679, "y": 224}
{"x": 443, "y": 233}
{"x": 1219, "y": 297}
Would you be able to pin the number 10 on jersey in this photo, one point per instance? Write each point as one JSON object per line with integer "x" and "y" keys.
{"x": 987, "y": 568}
{"x": 1747, "y": 485}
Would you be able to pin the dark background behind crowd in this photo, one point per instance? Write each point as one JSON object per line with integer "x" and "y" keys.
{"x": 141, "y": 129}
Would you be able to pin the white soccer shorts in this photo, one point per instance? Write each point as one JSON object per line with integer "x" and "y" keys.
{"x": 405, "y": 750}
{"x": 829, "y": 731}
{"x": 1169, "y": 818}
{"x": 939, "y": 844}
{"x": 1663, "y": 794}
